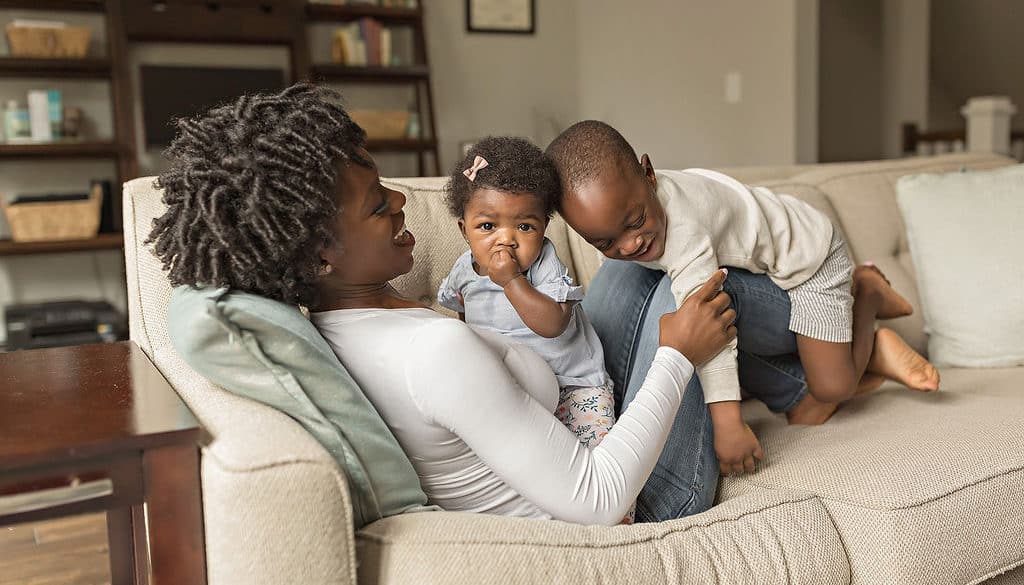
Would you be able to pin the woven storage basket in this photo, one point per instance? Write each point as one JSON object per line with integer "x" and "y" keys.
{"x": 382, "y": 124}
{"x": 61, "y": 220}
{"x": 32, "y": 41}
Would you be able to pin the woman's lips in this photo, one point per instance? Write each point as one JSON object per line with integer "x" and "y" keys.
{"x": 404, "y": 238}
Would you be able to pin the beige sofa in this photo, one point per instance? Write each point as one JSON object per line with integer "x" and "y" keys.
{"x": 898, "y": 488}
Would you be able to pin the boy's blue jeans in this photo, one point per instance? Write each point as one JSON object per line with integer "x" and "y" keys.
{"x": 624, "y": 302}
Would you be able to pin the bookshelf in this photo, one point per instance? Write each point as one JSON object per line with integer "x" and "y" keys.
{"x": 87, "y": 68}
{"x": 68, "y": 149}
{"x": 100, "y": 242}
{"x": 270, "y": 22}
{"x": 398, "y": 74}
{"x": 55, "y": 5}
{"x": 349, "y": 12}
{"x": 111, "y": 68}
{"x": 416, "y": 74}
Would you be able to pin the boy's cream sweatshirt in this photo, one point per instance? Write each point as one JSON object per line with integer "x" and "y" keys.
{"x": 714, "y": 221}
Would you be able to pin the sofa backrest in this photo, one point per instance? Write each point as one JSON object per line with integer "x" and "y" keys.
{"x": 862, "y": 201}
{"x": 859, "y": 197}
{"x": 439, "y": 242}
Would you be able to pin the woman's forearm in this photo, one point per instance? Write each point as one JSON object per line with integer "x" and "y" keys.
{"x": 465, "y": 387}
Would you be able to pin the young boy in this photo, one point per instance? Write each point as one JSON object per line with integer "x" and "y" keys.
{"x": 689, "y": 223}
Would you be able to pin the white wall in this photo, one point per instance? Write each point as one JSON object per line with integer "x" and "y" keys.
{"x": 490, "y": 84}
{"x": 655, "y": 69}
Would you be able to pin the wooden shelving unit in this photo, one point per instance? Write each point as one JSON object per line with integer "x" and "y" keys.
{"x": 69, "y": 5}
{"x": 88, "y": 68}
{"x": 112, "y": 68}
{"x": 348, "y": 12}
{"x": 280, "y": 22}
{"x": 68, "y": 149}
{"x": 417, "y": 75}
{"x": 401, "y": 145}
{"x": 403, "y": 74}
{"x": 100, "y": 242}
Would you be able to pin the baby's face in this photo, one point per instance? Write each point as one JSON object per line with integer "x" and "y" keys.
{"x": 495, "y": 220}
{"x": 618, "y": 214}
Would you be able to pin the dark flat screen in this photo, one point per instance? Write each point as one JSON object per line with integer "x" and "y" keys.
{"x": 169, "y": 93}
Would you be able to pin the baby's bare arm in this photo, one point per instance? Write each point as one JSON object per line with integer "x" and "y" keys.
{"x": 542, "y": 314}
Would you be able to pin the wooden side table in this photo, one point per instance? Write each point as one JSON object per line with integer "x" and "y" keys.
{"x": 97, "y": 428}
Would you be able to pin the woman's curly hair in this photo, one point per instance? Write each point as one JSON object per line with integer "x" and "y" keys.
{"x": 514, "y": 165}
{"x": 249, "y": 193}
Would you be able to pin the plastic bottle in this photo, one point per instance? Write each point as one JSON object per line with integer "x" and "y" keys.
{"x": 16, "y": 126}
{"x": 413, "y": 129}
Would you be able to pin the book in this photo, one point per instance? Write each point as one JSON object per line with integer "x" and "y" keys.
{"x": 39, "y": 115}
{"x": 385, "y": 48}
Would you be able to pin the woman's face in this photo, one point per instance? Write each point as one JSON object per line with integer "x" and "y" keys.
{"x": 371, "y": 245}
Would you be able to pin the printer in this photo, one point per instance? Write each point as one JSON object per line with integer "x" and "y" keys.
{"x": 62, "y": 323}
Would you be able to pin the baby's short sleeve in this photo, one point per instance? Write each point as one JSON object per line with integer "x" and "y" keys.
{"x": 550, "y": 277}
{"x": 451, "y": 286}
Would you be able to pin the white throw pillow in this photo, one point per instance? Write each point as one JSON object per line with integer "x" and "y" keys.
{"x": 966, "y": 234}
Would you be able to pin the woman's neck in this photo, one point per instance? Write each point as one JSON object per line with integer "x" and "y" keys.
{"x": 373, "y": 296}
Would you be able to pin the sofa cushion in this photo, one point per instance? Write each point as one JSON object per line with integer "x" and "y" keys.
{"x": 966, "y": 233}
{"x": 439, "y": 242}
{"x": 863, "y": 195}
{"x": 780, "y": 537}
{"x": 269, "y": 352}
{"x": 923, "y": 488}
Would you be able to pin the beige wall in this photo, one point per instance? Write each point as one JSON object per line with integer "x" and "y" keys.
{"x": 905, "y": 40}
{"x": 656, "y": 70}
{"x": 976, "y": 50}
{"x": 483, "y": 84}
{"x": 850, "y": 80}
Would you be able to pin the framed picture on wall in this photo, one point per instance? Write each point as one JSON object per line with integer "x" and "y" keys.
{"x": 500, "y": 16}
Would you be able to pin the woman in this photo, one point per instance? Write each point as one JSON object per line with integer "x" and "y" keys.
{"x": 275, "y": 195}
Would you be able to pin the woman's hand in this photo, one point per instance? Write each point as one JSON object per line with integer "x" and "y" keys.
{"x": 703, "y": 325}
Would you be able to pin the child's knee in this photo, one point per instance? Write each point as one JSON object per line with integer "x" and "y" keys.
{"x": 832, "y": 390}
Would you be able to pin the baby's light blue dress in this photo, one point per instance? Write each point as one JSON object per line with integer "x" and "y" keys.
{"x": 575, "y": 356}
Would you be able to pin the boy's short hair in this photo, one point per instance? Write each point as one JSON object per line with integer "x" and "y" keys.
{"x": 587, "y": 148}
{"x": 514, "y": 165}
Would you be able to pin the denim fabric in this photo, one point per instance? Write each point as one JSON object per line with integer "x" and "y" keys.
{"x": 624, "y": 302}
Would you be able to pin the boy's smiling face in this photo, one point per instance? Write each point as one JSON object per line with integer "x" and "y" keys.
{"x": 619, "y": 214}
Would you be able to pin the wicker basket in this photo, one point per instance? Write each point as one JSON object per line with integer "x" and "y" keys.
{"x": 62, "y": 220}
{"x": 382, "y": 124}
{"x": 33, "y": 41}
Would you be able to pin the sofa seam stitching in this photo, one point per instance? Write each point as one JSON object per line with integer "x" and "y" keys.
{"x": 924, "y": 166}
{"x": 804, "y": 497}
{"x": 135, "y": 253}
{"x": 896, "y": 508}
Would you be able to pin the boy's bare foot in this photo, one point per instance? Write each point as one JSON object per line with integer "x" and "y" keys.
{"x": 867, "y": 276}
{"x": 869, "y": 383}
{"x": 896, "y": 360}
{"x": 811, "y": 411}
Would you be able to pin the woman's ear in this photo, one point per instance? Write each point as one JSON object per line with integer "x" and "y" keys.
{"x": 648, "y": 169}
{"x": 329, "y": 256}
